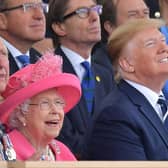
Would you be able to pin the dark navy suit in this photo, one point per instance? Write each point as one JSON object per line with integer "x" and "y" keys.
{"x": 34, "y": 56}
{"x": 128, "y": 128}
{"x": 78, "y": 121}
{"x": 101, "y": 56}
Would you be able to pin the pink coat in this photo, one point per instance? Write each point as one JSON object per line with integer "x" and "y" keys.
{"x": 24, "y": 150}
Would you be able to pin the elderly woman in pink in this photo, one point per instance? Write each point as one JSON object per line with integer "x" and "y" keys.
{"x": 37, "y": 97}
{"x": 4, "y": 68}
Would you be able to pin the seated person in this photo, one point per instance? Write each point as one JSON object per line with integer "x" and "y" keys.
{"x": 37, "y": 97}
{"x": 132, "y": 124}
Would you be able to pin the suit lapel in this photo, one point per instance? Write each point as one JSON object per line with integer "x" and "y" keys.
{"x": 139, "y": 100}
{"x": 12, "y": 64}
{"x": 98, "y": 87}
{"x": 67, "y": 67}
{"x": 34, "y": 55}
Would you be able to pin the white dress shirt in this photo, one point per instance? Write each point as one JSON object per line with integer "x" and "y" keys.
{"x": 150, "y": 95}
{"x": 15, "y": 52}
{"x": 76, "y": 61}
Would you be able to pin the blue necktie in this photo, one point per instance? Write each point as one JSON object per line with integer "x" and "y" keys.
{"x": 88, "y": 85}
{"x": 163, "y": 105}
{"x": 24, "y": 60}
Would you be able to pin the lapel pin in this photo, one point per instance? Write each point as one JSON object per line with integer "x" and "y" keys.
{"x": 98, "y": 79}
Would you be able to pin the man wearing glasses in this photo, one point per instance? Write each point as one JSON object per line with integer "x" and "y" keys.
{"x": 75, "y": 27}
{"x": 22, "y": 24}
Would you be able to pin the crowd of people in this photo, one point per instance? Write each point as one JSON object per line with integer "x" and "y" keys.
{"x": 83, "y": 80}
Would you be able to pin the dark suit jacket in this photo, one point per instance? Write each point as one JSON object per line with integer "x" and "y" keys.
{"x": 78, "y": 121}
{"x": 101, "y": 56}
{"x": 34, "y": 55}
{"x": 128, "y": 128}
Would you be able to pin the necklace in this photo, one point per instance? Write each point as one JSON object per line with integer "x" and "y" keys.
{"x": 48, "y": 154}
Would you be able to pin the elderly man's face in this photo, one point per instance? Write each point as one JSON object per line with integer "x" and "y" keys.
{"x": 148, "y": 57}
{"x": 131, "y": 9}
{"x": 4, "y": 67}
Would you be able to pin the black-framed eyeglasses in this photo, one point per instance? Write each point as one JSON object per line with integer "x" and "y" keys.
{"x": 85, "y": 11}
{"x": 28, "y": 7}
{"x": 46, "y": 104}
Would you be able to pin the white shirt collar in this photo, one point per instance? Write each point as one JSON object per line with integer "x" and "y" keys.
{"x": 150, "y": 95}
{"x": 76, "y": 61}
{"x": 14, "y": 51}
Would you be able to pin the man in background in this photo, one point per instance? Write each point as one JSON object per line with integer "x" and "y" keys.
{"x": 75, "y": 26}
{"x": 22, "y": 24}
{"x": 115, "y": 13}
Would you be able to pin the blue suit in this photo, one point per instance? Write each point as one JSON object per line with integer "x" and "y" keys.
{"x": 128, "y": 128}
{"x": 78, "y": 121}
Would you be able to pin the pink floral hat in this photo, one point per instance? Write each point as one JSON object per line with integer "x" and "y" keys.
{"x": 45, "y": 74}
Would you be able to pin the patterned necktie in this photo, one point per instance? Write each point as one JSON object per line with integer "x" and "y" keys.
{"x": 24, "y": 60}
{"x": 163, "y": 105}
{"x": 88, "y": 85}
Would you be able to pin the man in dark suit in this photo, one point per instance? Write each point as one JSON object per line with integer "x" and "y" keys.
{"x": 21, "y": 25}
{"x": 131, "y": 123}
{"x": 114, "y": 14}
{"x": 76, "y": 28}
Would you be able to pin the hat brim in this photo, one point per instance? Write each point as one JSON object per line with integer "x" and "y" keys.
{"x": 67, "y": 85}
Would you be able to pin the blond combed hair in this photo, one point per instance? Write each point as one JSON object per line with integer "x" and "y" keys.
{"x": 123, "y": 34}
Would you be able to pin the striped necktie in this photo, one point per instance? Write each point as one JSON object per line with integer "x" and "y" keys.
{"x": 88, "y": 85}
{"x": 23, "y": 59}
{"x": 164, "y": 107}
{"x": 163, "y": 104}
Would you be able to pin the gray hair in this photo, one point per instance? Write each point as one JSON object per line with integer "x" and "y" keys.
{"x": 20, "y": 110}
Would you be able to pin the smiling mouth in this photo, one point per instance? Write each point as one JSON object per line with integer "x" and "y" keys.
{"x": 52, "y": 123}
{"x": 164, "y": 60}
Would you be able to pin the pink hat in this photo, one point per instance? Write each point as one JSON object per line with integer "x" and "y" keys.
{"x": 35, "y": 78}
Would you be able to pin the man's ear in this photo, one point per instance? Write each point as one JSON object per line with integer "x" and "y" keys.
{"x": 108, "y": 27}
{"x": 3, "y": 22}
{"x": 126, "y": 65}
{"x": 59, "y": 29}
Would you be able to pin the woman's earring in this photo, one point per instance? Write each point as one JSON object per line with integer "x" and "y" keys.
{"x": 24, "y": 124}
